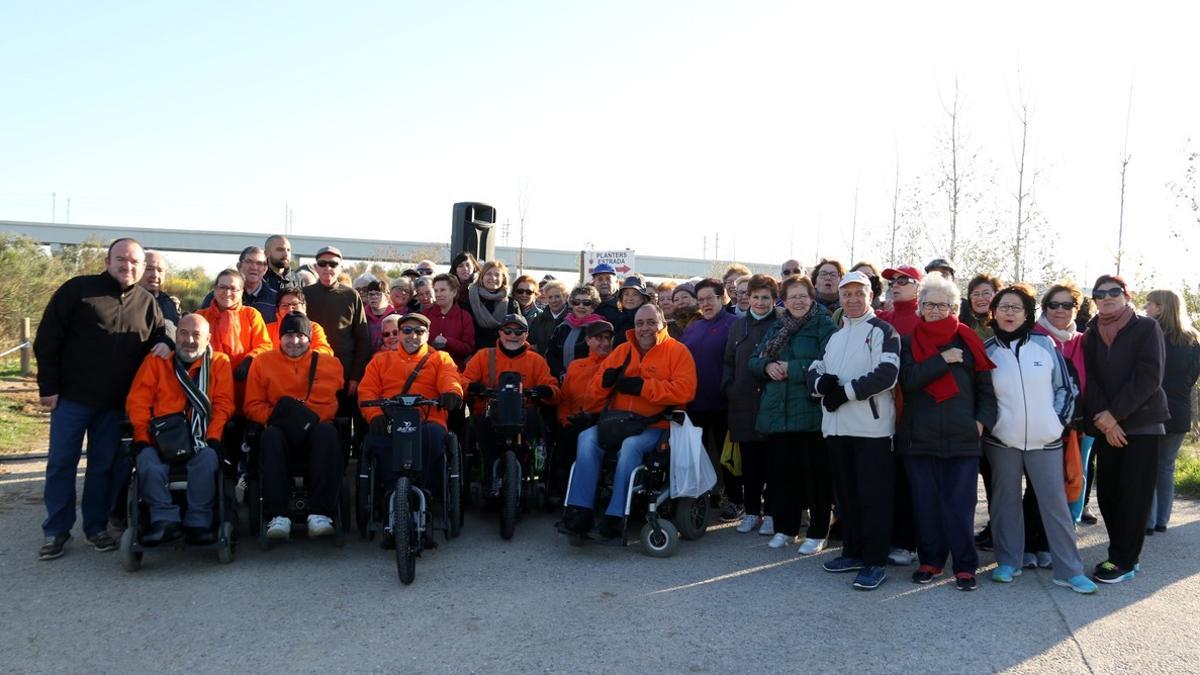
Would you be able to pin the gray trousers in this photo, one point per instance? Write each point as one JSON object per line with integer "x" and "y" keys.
{"x": 1045, "y": 470}
{"x": 1164, "y": 488}
{"x": 201, "y": 489}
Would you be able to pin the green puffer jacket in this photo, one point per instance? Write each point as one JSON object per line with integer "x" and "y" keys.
{"x": 787, "y": 405}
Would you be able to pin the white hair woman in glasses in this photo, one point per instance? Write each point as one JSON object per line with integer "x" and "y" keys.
{"x": 568, "y": 342}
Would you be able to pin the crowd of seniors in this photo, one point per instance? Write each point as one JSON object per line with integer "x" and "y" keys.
{"x": 843, "y": 408}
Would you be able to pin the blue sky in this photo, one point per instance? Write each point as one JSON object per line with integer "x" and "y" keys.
{"x": 653, "y": 125}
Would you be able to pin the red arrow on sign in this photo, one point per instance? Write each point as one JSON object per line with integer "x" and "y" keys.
{"x": 624, "y": 268}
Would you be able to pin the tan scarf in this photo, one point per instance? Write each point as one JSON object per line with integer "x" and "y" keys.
{"x": 1112, "y": 324}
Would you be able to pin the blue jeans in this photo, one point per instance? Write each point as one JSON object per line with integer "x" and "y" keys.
{"x": 588, "y": 459}
{"x": 1164, "y": 489}
{"x": 69, "y": 421}
{"x": 201, "y": 488}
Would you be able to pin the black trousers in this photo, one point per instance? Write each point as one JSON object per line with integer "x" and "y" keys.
{"x": 864, "y": 473}
{"x": 904, "y": 525}
{"x": 1125, "y": 492}
{"x": 754, "y": 475}
{"x": 800, "y": 478}
{"x": 321, "y": 454}
{"x": 1035, "y": 531}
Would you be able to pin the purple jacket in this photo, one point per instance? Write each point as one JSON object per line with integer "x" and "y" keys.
{"x": 705, "y": 339}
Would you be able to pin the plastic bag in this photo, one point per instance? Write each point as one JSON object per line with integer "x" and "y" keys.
{"x": 692, "y": 473}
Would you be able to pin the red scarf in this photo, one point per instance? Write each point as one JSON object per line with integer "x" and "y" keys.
{"x": 928, "y": 339}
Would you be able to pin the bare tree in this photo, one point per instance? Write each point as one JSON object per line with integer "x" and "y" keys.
{"x": 1125, "y": 157}
{"x": 524, "y": 196}
{"x": 895, "y": 211}
{"x": 1024, "y": 193}
{"x": 952, "y": 180}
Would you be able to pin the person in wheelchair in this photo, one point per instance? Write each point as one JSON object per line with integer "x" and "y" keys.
{"x": 511, "y": 354}
{"x": 647, "y": 374}
{"x": 292, "y": 392}
{"x": 419, "y": 370}
{"x": 197, "y": 382}
{"x": 580, "y": 404}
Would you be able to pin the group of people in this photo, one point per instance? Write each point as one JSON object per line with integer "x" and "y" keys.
{"x": 838, "y": 403}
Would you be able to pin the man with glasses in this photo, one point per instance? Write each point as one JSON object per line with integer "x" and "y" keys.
{"x": 826, "y": 276}
{"x": 650, "y": 373}
{"x": 377, "y": 309}
{"x": 339, "y": 310}
{"x": 256, "y": 293}
{"x": 436, "y": 378}
{"x": 425, "y": 268}
{"x": 790, "y": 268}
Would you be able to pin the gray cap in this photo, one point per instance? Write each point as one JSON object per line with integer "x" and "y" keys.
{"x": 329, "y": 249}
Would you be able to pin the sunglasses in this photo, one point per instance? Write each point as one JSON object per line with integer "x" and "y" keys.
{"x": 424, "y": 271}
{"x": 585, "y": 303}
{"x": 410, "y": 330}
{"x": 513, "y": 331}
{"x": 789, "y": 272}
{"x": 390, "y": 333}
{"x": 902, "y": 281}
{"x": 1061, "y": 305}
{"x": 522, "y": 291}
{"x": 1110, "y": 293}
{"x": 327, "y": 263}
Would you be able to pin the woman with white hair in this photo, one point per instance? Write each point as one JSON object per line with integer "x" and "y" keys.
{"x": 948, "y": 401}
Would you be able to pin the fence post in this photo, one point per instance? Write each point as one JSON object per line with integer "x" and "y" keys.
{"x": 26, "y": 348}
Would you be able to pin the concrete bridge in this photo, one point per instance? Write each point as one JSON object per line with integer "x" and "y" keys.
{"x": 384, "y": 250}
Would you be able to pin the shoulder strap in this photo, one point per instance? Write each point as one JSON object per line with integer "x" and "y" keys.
{"x": 412, "y": 377}
{"x": 312, "y": 375}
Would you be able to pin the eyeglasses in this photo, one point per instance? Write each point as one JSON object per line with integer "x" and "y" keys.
{"x": 390, "y": 333}
{"x": 828, "y": 273}
{"x": 228, "y": 289}
{"x": 256, "y": 263}
{"x": 424, "y": 271}
{"x": 414, "y": 330}
{"x": 1100, "y": 294}
{"x": 1061, "y": 305}
{"x": 327, "y": 263}
{"x": 577, "y": 303}
{"x": 292, "y": 305}
{"x": 513, "y": 331}
{"x": 1010, "y": 309}
{"x": 787, "y": 272}
{"x": 903, "y": 281}
{"x": 937, "y": 306}
{"x": 377, "y": 294}
{"x": 522, "y": 291}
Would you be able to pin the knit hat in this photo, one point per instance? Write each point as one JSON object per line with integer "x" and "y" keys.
{"x": 295, "y": 322}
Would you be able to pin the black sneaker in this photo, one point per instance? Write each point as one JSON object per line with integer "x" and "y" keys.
{"x": 1160, "y": 528}
{"x": 102, "y": 541}
{"x": 965, "y": 581}
{"x": 609, "y": 527}
{"x": 870, "y": 578}
{"x": 983, "y": 540}
{"x": 1088, "y": 518}
{"x": 1109, "y": 572}
{"x": 731, "y": 513}
{"x": 53, "y": 547}
{"x": 843, "y": 564}
{"x": 926, "y": 574}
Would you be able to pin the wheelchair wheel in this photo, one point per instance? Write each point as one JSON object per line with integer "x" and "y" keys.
{"x": 343, "y": 515}
{"x": 404, "y": 532}
{"x": 131, "y": 560}
{"x": 510, "y": 489}
{"x": 362, "y": 496}
{"x": 454, "y": 496}
{"x": 690, "y": 517}
{"x": 225, "y": 536}
{"x": 660, "y": 542}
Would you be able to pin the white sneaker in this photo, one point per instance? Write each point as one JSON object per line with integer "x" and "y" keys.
{"x": 748, "y": 523}
{"x": 811, "y": 546}
{"x": 768, "y": 526}
{"x": 900, "y": 556}
{"x": 319, "y": 526}
{"x": 779, "y": 541}
{"x": 280, "y": 527}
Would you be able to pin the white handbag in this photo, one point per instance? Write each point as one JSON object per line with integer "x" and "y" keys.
{"x": 692, "y": 473}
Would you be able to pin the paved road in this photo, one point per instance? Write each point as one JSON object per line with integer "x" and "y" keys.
{"x": 724, "y": 604}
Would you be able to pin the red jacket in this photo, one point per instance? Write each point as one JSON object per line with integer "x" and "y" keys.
{"x": 458, "y": 328}
{"x": 156, "y": 391}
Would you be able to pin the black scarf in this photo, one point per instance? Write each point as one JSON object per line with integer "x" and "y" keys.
{"x": 788, "y": 326}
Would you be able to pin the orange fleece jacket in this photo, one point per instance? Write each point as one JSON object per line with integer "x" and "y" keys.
{"x": 387, "y": 372}
{"x": 667, "y": 370}
{"x": 532, "y": 366}
{"x": 156, "y": 392}
{"x": 274, "y": 375}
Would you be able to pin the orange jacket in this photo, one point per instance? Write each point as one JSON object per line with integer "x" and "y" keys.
{"x": 318, "y": 343}
{"x": 532, "y": 366}
{"x": 578, "y": 395}
{"x": 253, "y": 338}
{"x": 156, "y": 391}
{"x": 387, "y": 372}
{"x": 667, "y": 370}
{"x": 274, "y": 375}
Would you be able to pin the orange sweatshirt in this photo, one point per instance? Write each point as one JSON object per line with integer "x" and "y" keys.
{"x": 252, "y": 338}
{"x": 532, "y": 366}
{"x": 578, "y": 395}
{"x": 156, "y": 391}
{"x": 274, "y": 375}
{"x": 387, "y": 372}
{"x": 667, "y": 370}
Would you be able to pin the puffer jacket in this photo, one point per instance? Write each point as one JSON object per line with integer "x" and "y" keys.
{"x": 865, "y": 355}
{"x": 788, "y": 405}
{"x": 1035, "y": 394}
{"x": 947, "y": 429}
{"x": 743, "y": 391}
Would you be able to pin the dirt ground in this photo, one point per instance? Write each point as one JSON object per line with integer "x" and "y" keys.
{"x": 23, "y": 413}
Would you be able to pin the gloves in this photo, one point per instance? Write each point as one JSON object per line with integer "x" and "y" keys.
{"x": 543, "y": 391}
{"x": 827, "y": 383}
{"x": 630, "y": 385}
{"x": 610, "y": 377}
{"x": 242, "y": 370}
{"x": 379, "y": 425}
{"x": 834, "y": 399}
{"x": 450, "y": 401}
{"x": 475, "y": 388}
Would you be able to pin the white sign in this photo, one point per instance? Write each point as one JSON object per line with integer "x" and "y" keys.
{"x": 622, "y": 261}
